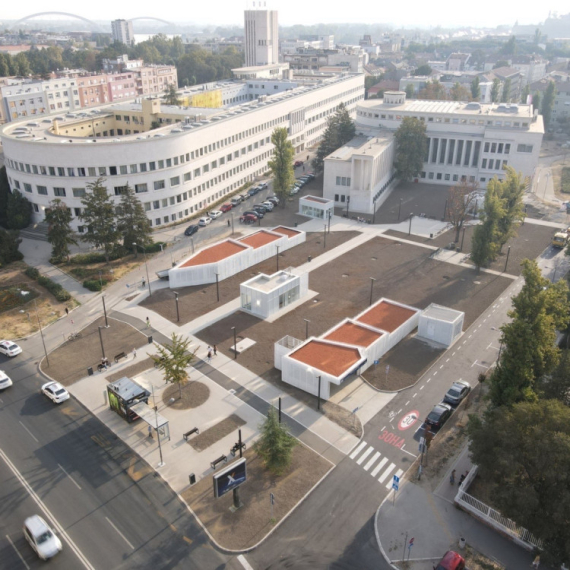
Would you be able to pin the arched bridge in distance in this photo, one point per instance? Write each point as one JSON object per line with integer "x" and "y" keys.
{"x": 86, "y": 20}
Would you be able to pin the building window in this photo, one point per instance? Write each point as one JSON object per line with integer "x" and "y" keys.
{"x": 78, "y": 192}
{"x": 112, "y": 170}
{"x": 159, "y": 184}
{"x": 119, "y": 190}
{"x": 139, "y": 188}
{"x": 59, "y": 192}
{"x": 524, "y": 148}
{"x": 123, "y": 169}
{"x": 42, "y": 190}
{"x": 27, "y": 187}
{"x": 175, "y": 181}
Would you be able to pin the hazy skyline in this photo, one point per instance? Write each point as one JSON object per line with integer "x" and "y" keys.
{"x": 228, "y": 12}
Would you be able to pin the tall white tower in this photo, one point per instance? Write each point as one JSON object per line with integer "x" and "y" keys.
{"x": 123, "y": 32}
{"x": 261, "y": 36}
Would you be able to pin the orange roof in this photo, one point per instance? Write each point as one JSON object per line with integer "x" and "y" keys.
{"x": 214, "y": 253}
{"x": 351, "y": 333}
{"x": 386, "y": 316}
{"x": 259, "y": 238}
{"x": 330, "y": 358}
{"x": 319, "y": 200}
{"x": 286, "y": 231}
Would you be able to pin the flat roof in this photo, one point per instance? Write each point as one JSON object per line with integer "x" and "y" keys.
{"x": 330, "y": 358}
{"x": 267, "y": 283}
{"x": 352, "y": 333}
{"x": 214, "y": 253}
{"x": 319, "y": 200}
{"x": 363, "y": 145}
{"x": 386, "y": 316}
{"x": 259, "y": 239}
{"x": 286, "y": 231}
{"x": 441, "y": 313}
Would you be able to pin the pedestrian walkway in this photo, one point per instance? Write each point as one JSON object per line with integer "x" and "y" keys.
{"x": 374, "y": 463}
{"x": 436, "y": 525}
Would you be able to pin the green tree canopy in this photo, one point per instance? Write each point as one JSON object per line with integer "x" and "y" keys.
{"x": 476, "y": 88}
{"x": 60, "y": 234}
{"x": 9, "y": 243}
{"x": 18, "y": 211}
{"x": 281, "y": 164}
{"x": 496, "y": 90}
{"x": 524, "y": 450}
{"x": 410, "y": 91}
{"x": 424, "y": 69}
{"x": 510, "y": 191}
{"x": 4, "y": 195}
{"x": 132, "y": 222}
{"x": 275, "y": 444}
{"x": 411, "y": 147}
{"x": 170, "y": 96}
{"x": 484, "y": 245}
{"x": 548, "y": 103}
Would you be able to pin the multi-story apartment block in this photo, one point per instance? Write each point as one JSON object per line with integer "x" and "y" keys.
{"x": 93, "y": 90}
{"x": 155, "y": 78}
{"x": 196, "y": 156}
{"x": 261, "y": 37}
{"x": 122, "y": 31}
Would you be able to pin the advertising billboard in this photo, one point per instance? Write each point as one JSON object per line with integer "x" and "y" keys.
{"x": 230, "y": 478}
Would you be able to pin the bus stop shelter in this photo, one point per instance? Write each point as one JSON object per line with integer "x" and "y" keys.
{"x": 153, "y": 419}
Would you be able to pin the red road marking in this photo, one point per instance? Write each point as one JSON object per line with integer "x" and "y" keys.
{"x": 408, "y": 420}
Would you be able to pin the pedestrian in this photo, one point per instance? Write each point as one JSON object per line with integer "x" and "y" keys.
{"x": 215, "y": 351}
{"x": 143, "y": 282}
{"x": 303, "y": 168}
{"x": 536, "y": 562}
{"x": 150, "y": 431}
{"x": 307, "y": 158}
{"x": 147, "y": 323}
{"x": 229, "y": 224}
{"x": 66, "y": 311}
{"x": 452, "y": 477}
{"x": 209, "y": 355}
{"x": 462, "y": 478}
{"x": 209, "y": 349}
{"x": 134, "y": 353}
{"x": 72, "y": 322}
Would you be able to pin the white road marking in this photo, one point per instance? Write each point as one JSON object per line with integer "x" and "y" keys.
{"x": 120, "y": 533}
{"x": 72, "y": 479}
{"x": 473, "y": 364}
{"x": 386, "y": 473}
{"x": 383, "y": 428}
{"x": 408, "y": 452}
{"x": 35, "y": 438}
{"x": 441, "y": 367}
{"x": 47, "y": 513}
{"x": 453, "y": 353}
{"x": 427, "y": 381}
{"x": 358, "y": 450}
{"x": 409, "y": 401}
{"x": 398, "y": 474}
{"x": 435, "y": 372}
{"x": 17, "y": 552}
{"x": 398, "y": 411}
{"x": 469, "y": 337}
{"x": 447, "y": 360}
{"x": 364, "y": 455}
{"x": 372, "y": 461}
{"x": 421, "y": 387}
{"x": 415, "y": 395}
{"x": 378, "y": 467}
{"x": 244, "y": 562}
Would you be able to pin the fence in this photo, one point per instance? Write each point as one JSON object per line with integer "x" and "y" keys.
{"x": 492, "y": 517}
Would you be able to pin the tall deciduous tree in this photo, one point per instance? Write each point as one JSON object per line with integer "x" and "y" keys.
{"x": 275, "y": 444}
{"x": 461, "y": 201}
{"x": 99, "y": 217}
{"x": 525, "y": 93}
{"x": 281, "y": 164}
{"x": 459, "y": 92}
{"x": 496, "y": 90}
{"x": 548, "y": 103}
{"x": 132, "y": 222}
{"x": 9, "y": 243}
{"x": 476, "y": 89}
{"x": 411, "y": 147}
{"x": 410, "y": 91}
{"x": 506, "y": 91}
{"x": 60, "y": 234}
{"x": 18, "y": 211}
{"x": 510, "y": 191}
{"x": 4, "y": 195}
{"x": 173, "y": 359}
{"x": 484, "y": 246}
{"x": 170, "y": 96}
{"x": 556, "y": 386}
{"x": 536, "y": 100}
{"x": 525, "y": 451}
{"x": 433, "y": 90}
{"x": 529, "y": 341}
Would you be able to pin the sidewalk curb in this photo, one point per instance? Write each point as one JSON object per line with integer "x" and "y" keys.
{"x": 377, "y": 534}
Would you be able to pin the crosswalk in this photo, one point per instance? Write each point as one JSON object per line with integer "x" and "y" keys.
{"x": 375, "y": 463}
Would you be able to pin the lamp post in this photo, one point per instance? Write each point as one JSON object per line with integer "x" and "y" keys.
{"x": 232, "y": 215}
{"x": 507, "y": 260}
{"x": 371, "y": 288}
{"x": 374, "y": 211}
{"x": 101, "y": 339}
{"x": 41, "y": 331}
{"x": 330, "y": 216}
{"x": 410, "y": 228}
{"x": 325, "y": 237}
{"x": 277, "y": 257}
{"x": 347, "y": 203}
{"x": 235, "y": 343}
{"x": 146, "y": 266}
{"x": 445, "y": 211}
{"x": 177, "y": 310}
{"x": 307, "y": 321}
{"x": 105, "y": 311}
{"x": 161, "y": 464}
{"x": 463, "y": 238}
{"x": 319, "y": 395}
{"x": 217, "y": 287}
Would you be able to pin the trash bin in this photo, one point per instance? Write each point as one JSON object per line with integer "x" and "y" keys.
{"x": 149, "y": 339}
{"x": 295, "y": 224}
{"x": 192, "y": 478}
{"x": 309, "y": 258}
{"x": 90, "y": 371}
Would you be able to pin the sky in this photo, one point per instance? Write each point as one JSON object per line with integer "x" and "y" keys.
{"x": 412, "y": 13}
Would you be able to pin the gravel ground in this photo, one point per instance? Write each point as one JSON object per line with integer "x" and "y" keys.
{"x": 218, "y": 431}
{"x": 196, "y": 301}
{"x": 252, "y": 522}
{"x": 403, "y": 272}
{"x": 67, "y": 368}
{"x": 194, "y": 394}
{"x": 134, "y": 370}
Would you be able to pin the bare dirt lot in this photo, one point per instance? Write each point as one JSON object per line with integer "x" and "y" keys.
{"x": 218, "y": 431}
{"x": 69, "y": 362}
{"x": 529, "y": 243}
{"x": 199, "y": 300}
{"x": 403, "y": 272}
{"x": 252, "y": 522}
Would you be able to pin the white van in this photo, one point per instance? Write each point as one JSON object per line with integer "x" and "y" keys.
{"x": 41, "y": 537}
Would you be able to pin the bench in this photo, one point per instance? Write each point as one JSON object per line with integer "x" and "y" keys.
{"x": 214, "y": 463}
{"x": 189, "y": 433}
{"x": 119, "y": 356}
{"x": 235, "y": 448}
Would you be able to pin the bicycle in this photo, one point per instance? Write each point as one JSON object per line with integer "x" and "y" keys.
{"x": 74, "y": 335}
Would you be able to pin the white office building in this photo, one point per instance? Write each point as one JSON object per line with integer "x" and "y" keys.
{"x": 466, "y": 141}
{"x": 194, "y": 158}
{"x": 122, "y": 31}
{"x": 261, "y": 37}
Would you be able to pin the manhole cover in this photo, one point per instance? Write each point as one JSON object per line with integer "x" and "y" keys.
{"x": 345, "y": 274}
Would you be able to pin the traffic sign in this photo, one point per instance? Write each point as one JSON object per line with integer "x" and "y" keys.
{"x": 410, "y": 544}
{"x": 272, "y": 498}
{"x": 395, "y": 483}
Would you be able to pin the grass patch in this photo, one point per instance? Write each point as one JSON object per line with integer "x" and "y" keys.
{"x": 216, "y": 432}
{"x": 15, "y": 296}
{"x": 565, "y": 180}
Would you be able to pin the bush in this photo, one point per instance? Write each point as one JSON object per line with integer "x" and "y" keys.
{"x": 32, "y": 272}
{"x": 94, "y": 284}
{"x": 565, "y": 181}
{"x": 54, "y": 288}
{"x": 84, "y": 258}
{"x": 154, "y": 247}
{"x": 56, "y": 260}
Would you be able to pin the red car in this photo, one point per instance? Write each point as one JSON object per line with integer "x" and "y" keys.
{"x": 298, "y": 163}
{"x": 248, "y": 219}
{"x": 225, "y": 207}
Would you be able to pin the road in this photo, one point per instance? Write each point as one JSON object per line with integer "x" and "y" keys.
{"x": 108, "y": 501}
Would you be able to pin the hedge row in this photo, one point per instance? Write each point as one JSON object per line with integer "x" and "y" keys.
{"x": 565, "y": 182}
{"x": 54, "y": 288}
{"x": 94, "y": 284}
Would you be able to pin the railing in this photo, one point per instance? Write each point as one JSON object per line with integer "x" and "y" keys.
{"x": 492, "y": 517}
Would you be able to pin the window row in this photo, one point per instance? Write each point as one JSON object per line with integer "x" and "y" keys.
{"x": 343, "y": 181}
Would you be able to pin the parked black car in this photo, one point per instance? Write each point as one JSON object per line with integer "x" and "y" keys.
{"x": 439, "y": 415}
{"x": 191, "y": 230}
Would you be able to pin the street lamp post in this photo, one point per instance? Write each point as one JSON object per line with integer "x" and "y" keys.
{"x": 101, "y": 339}
{"x": 507, "y": 260}
{"x": 217, "y": 287}
{"x": 146, "y": 266}
{"x": 330, "y": 216}
{"x": 177, "y": 310}
{"x": 410, "y": 228}
{"x": 347, "y": 204}
{"x": 41, "y": 332}
{"x": 319, "y": 395}
{"x": 277, "y": 257}
{"x": 235, "y": 343}
{"x": 161, "y": 464}
{"x": 325, "y": 237}
{"x": 371, "y": 287}
{"x": 463, "y": 238}
{"x": 105, "y": 311}
{"x": 307, "y": 321}
{"x": 232, "y": 215}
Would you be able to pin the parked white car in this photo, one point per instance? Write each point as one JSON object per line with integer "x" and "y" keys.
{"x": 5, "y": 381}
{"x": 269, "y": 205}
{"x": 9, "y": 348}
{"x": 215, "y": 214}
{"x": 41, "y": 537}
{"x": 55, "y": 392}
{"x": 204, "y": 221}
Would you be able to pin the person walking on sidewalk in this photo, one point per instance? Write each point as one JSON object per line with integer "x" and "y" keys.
{"x": 66, "y": 311}
{"x": 150, "y": 431}
{"x": 209, "y": 357}
{"x": 452, "y": 477}
{"x": 462, "y": 478}
{"x": 147, "y": 323}
{"x": 134, "y": 353}
{"x": 215, "y": 351}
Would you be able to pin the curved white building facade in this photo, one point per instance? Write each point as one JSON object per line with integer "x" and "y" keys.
{"x": 177, "y": 170}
